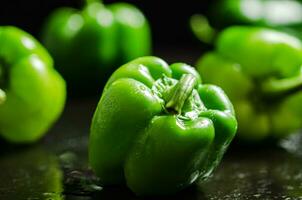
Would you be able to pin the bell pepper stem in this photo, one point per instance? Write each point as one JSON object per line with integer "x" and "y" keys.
{"x": 180, "y": 92}
{"x": 273, "y": 87}
{"x": 202, "y": 29}
{"x": 92, "y": 1}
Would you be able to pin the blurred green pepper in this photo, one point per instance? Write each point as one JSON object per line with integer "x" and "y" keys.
{"x": 32, "y": 92}
{"x": 260, "y": 70}
{"x": 273, "y": 13}
{"x": 285, "y": 15}
{"x": 88, "y": 45}
{"x": 157, "y": 128}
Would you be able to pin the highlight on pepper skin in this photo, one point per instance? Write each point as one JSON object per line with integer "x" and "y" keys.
{"x": 158, "y": 128}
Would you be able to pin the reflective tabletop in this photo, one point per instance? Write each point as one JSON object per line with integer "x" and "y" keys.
{"x": 56, "y": 167}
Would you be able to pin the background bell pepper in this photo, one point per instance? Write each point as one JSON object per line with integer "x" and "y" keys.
{"x": 32, "y": 92}
{"x": 281, "y": 15}
{"x": 260, "y": 70}
{"x": 87, "y": 45}
{"x": 157, "y": 128}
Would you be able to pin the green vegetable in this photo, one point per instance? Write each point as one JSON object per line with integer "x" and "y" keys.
{"x": 273, "y": 13}
{"x": 32, "y": 93}
{"x": 283, "y": 15}
{"x": 157, "y": 128}
{"x": 260, "y": 70}
{"x": 88, "y": 45}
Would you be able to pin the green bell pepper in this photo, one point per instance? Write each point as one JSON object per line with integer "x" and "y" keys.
{"x": 281, "y": 15}
{"x": 260, "y": 70}
{"x": 88, "y": 44}
{"x": 32, "y": 93}
{"x": 273, "y": 13}
{"x": 157, "y": 128}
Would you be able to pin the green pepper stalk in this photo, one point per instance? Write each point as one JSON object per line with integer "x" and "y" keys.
{"x": 283, "y": 86}
{"x": 88, "y": 44}
{"x": 32, "y": 94}
{"x": 260, "y": 70}
{"x": 92, "y": 1}
{"x": 202, "y": 29}
{"x": 157, "y": 129}
{"x": 182, "y": 91}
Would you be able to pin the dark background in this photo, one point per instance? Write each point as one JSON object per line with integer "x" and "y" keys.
{"x": 169, "y": 19}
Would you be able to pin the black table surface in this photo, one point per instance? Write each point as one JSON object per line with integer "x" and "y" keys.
{"x": 56, "y": 167}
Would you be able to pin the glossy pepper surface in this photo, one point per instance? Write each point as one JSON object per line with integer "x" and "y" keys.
{"x": 87, "y": 45}
{"x": 260, "y": 70}
{"x": 32, "y": 92}
{"x": 157, "y": 128}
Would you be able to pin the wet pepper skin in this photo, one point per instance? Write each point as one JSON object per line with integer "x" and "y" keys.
{"x": 260, "y": 70}
{"x": 32, "y": 93}
{"x": 87, "y": 45}
{"x": 158, "y": 129}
